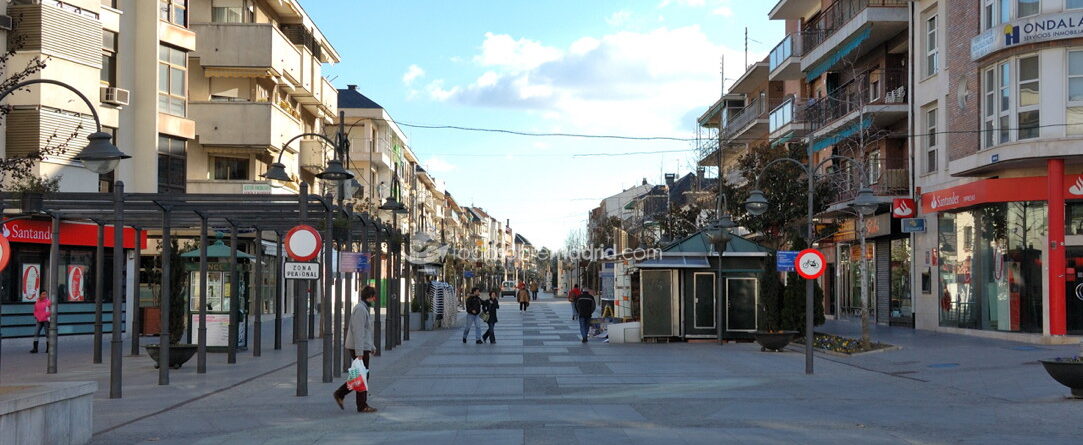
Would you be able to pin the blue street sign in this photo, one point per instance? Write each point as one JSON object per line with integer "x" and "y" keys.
{"x": 785, "y": 259}
{"x": 352, "y": 262}
{"x": 468, "y": 274}
{"x": 912, "y": 225}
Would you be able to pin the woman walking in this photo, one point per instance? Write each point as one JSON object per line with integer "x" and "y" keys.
{"x": 489, "y": 307}
{"x": 524, "y": 298}
{"x": 43, "y": 309}
{"x": 534, "y": 290}
{"x": 358, "y": 343}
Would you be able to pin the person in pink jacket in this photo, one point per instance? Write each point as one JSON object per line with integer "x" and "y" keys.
{"x": 43, "y": 309}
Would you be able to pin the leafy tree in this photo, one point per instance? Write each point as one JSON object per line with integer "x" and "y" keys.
{"x": 771, "y": 293}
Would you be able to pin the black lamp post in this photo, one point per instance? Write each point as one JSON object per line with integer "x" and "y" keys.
{"x": 865, "y": 203}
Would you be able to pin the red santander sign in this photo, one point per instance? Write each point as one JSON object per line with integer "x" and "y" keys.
{"x": 903, "y": 208}
{"x": 71, "y": 234}
{"x": 1032, "y": 188}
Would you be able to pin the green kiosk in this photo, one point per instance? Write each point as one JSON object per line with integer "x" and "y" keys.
{"x": 218, "y": 295}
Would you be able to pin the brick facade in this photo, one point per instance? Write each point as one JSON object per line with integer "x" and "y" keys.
{"x": 964, "y": 115}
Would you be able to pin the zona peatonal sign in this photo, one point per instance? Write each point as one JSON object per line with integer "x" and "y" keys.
{"x": 301, "y": 271}
{"x": 1041, "y": 28}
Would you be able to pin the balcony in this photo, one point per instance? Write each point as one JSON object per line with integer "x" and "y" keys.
{"x": 882, "y": 95}
{"x": 794, "y": 9}
{"x": 888, "y": 178}
{"x": 252, "y": 49}
{"x": 752, "y": 80}
{"x": 787, "y": 120}
{"x": 849, "y": 27}
{"x": 261, "y": 125}
{"x": 750, "y": 123}
{"x": 785, "y": 59}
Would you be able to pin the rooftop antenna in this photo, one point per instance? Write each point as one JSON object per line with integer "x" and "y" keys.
{"x": 722, "y": 70}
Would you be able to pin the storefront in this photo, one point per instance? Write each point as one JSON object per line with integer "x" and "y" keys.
{"x": 27, "y": 275}
{"x": 1001, "y": 259}
{"x": 887, "y": 252}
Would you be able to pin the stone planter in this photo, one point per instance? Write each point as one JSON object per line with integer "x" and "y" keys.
{"x": 774, "y": 341}
{"x": 415, "y": 321}
{"x": 1067, "y": 373}
{"x": 178, "y": 354}
{"x": 47, "y": 413}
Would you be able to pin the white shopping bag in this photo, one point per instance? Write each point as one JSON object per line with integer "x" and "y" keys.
{"x": 357, "y": 376}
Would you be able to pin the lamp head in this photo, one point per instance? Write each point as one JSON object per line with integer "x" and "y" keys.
{"x": 100, "y": 155}
{"x": 393, "y": 205}
{"x": 277, "y": 172}
{"x": 335, "y": 172}
{"x": 756, "y": 204}
{"x": 865, "y": 202}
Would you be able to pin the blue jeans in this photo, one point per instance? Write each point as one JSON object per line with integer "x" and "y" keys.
{"x": 475, "y": 321}
{"x": 584, "y": 326}
{"x": 575, "y": 312}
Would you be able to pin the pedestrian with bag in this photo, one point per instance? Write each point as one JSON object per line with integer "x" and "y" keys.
{"x": 572, "y": 295}
{"x": 358, "y": 343}
{"x": 488, "y": 315}
{"x": 43, "y": 310}
{"x": 473, "y": 315}
{"x": 523, "y": 296}
{"x": 584, "y": 306}
{"x": 534, "y": 290}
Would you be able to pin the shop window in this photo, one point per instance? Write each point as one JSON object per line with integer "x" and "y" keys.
{"x": 172, "y": 168}
{"x": 993, "y": 281}
{"x": 172, "y": 80}
{"x": 75, "y": 286}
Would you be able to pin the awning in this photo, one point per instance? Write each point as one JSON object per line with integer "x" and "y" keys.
{"x": 841, "y": 135}
{"x": 842, "y": 51}
{"x": 681, "y": 262}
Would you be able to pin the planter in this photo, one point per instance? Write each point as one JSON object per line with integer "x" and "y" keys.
{"x": 32, "y": 202}
{"x": 774, "y": 341}
{"x": 415, "y": 321}
{"x": 1067, "y": 373}
{"x": 178, "y": 354}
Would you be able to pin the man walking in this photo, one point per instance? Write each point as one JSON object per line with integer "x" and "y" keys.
{"x": 473, "y": 311}
{"x": 359, "y": 339}
{"x": 534, "y": 290}
{"x": 572, "y": 295}
{"x": 584, "y": 306}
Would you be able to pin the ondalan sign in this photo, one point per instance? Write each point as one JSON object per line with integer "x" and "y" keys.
{"x": 1041, "y": 28}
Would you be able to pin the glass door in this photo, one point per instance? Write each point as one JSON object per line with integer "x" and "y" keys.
{"x": 704, "y": 307}
{"x": 742, "y": 298}
{"x": 902, "y": 305}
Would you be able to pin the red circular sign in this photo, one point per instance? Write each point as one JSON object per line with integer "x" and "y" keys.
{"x": 303, "y": 243}
{"x": 810, "y": 264}
{"x": 5, "y": 252}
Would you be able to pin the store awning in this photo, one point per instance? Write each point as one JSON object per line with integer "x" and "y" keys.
{"x": 679, "y": 262}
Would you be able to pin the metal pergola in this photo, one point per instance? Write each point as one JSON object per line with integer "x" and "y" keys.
{"x": 198, "y": 214}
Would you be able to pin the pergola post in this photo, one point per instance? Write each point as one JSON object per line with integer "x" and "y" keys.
{"x": 137, "y": 315}
{"x": 54, "y": 304}
{"x": 336, "y": 326}
{"x": 116, "y": 344}
{"x": 328, "y": 352}
{"x": 166, "y": 297}
{"x": 377, "y": 255}
{"x": 99, "y": 289}
{"x": 392, "y": 291}
{"x": 234, "y": 297}
{"x": 257, "y": 334}
{"x": 408, "y": 294}
{"x": 299, "y": 316}
{"x": 348, "y": 287}
{"x": 201, "y": 332}
{"x": 278, "y": 291}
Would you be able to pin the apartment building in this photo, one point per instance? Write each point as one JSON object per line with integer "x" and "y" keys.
{"x": 379, "y": 150}
{"x": 997, "y": 122}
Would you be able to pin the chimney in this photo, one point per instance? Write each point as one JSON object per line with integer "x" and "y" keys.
{"x": 670, "y": 178}
{"x": 352, "y": 87}
{"x": 644, "y": 181}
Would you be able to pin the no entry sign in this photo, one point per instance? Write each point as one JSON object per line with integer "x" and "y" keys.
{"x": 5, "y": 252}
{"x": 810, "y": 264}
{"x": 303, "y": 243}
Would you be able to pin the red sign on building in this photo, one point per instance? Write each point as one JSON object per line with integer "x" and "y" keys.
{"x": 71, "y": 233}
{"x": 903, "y": 208}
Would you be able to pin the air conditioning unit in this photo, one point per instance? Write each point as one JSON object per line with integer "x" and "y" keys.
{"x": 6, "y": 23}
{"x": 114, "y": 96}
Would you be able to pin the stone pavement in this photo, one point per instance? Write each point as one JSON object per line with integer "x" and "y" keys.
{"x": 540, "y": 385}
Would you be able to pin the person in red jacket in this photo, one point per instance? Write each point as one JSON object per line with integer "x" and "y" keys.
{"x": 43, "y": 310}
{"x": 572, "y": 295}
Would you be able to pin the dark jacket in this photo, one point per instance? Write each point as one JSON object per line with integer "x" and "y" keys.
{"x": 584, "y": 305}
{"x": 490, "y": 307}
{"x": 473, "y": 305}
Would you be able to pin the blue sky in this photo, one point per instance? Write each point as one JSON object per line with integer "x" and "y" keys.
{"x": 634, "y": 68}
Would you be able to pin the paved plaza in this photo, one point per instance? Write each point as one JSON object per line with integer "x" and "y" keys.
{"x": 540, "y": 385}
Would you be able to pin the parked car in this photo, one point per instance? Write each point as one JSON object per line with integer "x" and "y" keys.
{"x": 508, "y": 288}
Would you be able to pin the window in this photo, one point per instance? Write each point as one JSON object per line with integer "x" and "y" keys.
{"x": 930, "y": 140}
{"x": 874, "y": 166}
{"x": 171, "y": 164}
{"x": 109, "y": 58}
{"x": 989, "y": 113}
{"x": 174, "y": 11}
{"x": 226, "y": 14}
{"x": 1073, "y": 4}
{"x": 1027, "y": 8}
{"x": 932, "y": 52}
{"x": 1075, "y": 93}
{"x": 988, "y": 15}
{"x": 1004, "y": 112}
{"x": 172, "y": 80}
{"x": 230, "y": 169}
{"x": 1027, "y": 113}
{"x": 110, "y": 3}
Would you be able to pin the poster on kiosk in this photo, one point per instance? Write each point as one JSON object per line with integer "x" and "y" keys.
{"x": 217, "y": 305}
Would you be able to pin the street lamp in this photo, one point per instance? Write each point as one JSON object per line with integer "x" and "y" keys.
{"x": 865, "y": 203}
{"x": 100, "y": 155}
{"x": 333, "y": 172}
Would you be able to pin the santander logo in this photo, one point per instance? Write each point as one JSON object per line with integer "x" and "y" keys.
{"x": 903, "y": 208}
{"x": 4, "y": 231}
{"x": 1077, "y": 188}
{"x": 27, "y": 234}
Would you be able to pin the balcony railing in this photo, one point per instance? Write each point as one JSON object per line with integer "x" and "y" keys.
{"x": 830, "y": 20}
{"x": 757, "y": 109}
{"x": 789, "y": 47}
{"x": 887, "y": 177}
{"x": 788, "y": 112}
{"x": 871, "y": 88}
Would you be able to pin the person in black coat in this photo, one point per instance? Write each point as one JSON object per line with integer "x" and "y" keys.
{"x": 489, "y": 307}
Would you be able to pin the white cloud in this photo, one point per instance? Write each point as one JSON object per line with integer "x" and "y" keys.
{"x": 636, "y": 83}
{"x": 619, "y": 18}
{"x": 412, "y": 73}
{"x": 437, "y": 164}
{"x": 724, "y": 11}
{"x": 501, "y": 50}
{"x": 682, "y": 3}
